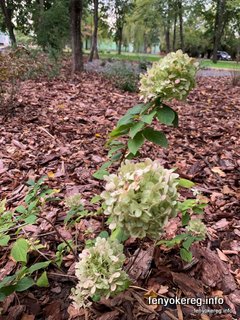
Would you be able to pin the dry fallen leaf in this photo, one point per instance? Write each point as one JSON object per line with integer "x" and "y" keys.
{"x": 227, "y": 190}
{"x": 218, "y": 171}
{"x": 163, "y": 290}
{"x": 222, "y": 256}
{"x": 74, "y": 313}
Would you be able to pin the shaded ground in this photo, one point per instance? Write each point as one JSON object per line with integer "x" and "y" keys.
{"x": 59, "y": 129}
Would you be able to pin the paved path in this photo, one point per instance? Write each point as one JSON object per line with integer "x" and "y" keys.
{"x": 216, "y": 73}
{"x": 106, "y": 66}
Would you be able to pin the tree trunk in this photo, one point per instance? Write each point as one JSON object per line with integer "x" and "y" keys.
{"x": 94, "y": 49}
{"x": 120, "y": 36}
{"x": 76, "y": 36}
{"x": 174, "y": 31}
{"x": 7, "y": 13}
{"x": 180, "y": 13}
{"x": 218, "y": 27}
{"x": 167, "y": 29}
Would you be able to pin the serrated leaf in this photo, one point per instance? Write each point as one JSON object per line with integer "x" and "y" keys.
{"x": 166, "y": 115}
{"x": 186, "y": 255}
{"x": 21, "y": 209}
{"x": 19, "y": 250}
{"x": 156, "y": 137}
{"x": 31, "y": 219}
{"x": 32, "y": 205}
{"x": 136, "y": 128}
{"x": 42, "y": 281}
{"x": 185, "y": 183}
{"x": 135, "y": 144}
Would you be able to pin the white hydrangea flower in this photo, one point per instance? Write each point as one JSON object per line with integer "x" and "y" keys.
{"x": 99, "y": 272}
{"x": 169, "y": 78}
{"x": 143, "y": 199}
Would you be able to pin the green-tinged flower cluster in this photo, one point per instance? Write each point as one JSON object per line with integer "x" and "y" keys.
{"x": 74, "y": 201}
{"x": 171, "y": 77}
{"x": 197, "y": 228}
{"x": 99, "y": 272}
{"x": 141, "y": 198}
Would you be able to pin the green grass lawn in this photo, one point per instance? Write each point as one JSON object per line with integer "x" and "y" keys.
{"x": 152, "y": 57}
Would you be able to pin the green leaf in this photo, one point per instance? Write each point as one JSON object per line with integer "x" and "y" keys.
{"x": 176, "y": 240}
{"x": 19, "y": 250}
{"x": 96, "y": 297}
{"x": 185, "y": 218}
{"x": 7, "y": 281}
{"x": 121, "y": 130}
{"x": 24, "y": 284}
{"x": 114, "y": 149}
{"x": 38, "y": 266}
{"x": 29, "y": 197}
{"x": 131, "y": 156}
{"x": 175, "y": 121}
{"x": 30, "y": 182}
{"x": 186, "y": 255}
{"x": 103, "y": 234}
{"x": 166, "y": 115}
{"x": 4, "y": 240}
{"x": 135, "y": 144}
{"x": 156, "y": 137}
{"x": 99, "y": 174}
{"x": 148, "y": 118}
{"x": 42, "y": 281}
{"x": 126, "y": 119}
{"x": 136, "y": 109}
{"x": 185, "y": 183}
{"x": 21, "y": 209}
{"x": 188, "y": 242}
{"x": 136, "y": 128}
{"x": 32, "y": 205}
{"x": 31, "y": 219}
{"x": 119, "y": 234}
{"x": 116, "y": 156}
{"x": 96, "y": 199}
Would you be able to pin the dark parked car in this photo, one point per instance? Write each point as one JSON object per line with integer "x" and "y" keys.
{"x": 223, "y": 55}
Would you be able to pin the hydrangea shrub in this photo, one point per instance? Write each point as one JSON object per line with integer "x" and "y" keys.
{"x": 169, "y": 78}
{"x": 99, "y": 272}
{"x": 141, "y": 198}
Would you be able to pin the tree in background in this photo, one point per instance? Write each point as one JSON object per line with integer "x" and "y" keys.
{"x": 143, "y": 26}
{"x": 7, "y": 7}
{"x": 76, "y": 9}
{"x": 94, "y": 48}
{"x": 219, "y": 26}
{"x": 121, "y": 9}
{"x": 52, "y": 26}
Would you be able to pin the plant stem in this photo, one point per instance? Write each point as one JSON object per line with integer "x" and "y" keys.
{"x": 60, "y": 236}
